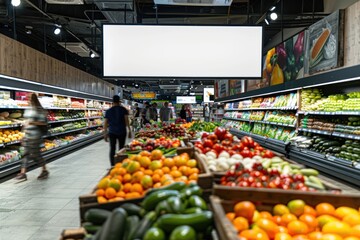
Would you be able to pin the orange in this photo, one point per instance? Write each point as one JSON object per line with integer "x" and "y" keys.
{"x": 300, "y": 237}
{"x": 157, "y": 185}
{"x": 145, "y": 153}
{"x": 118, "y": 199}
{"x": 282, "y": 236}
{"x": 174, "y": 168}
{"x": 240, "y": 224}
{"x": 120, "y": 178}
{"x": 127, "y": 187}
{"x": 110, "y": 193}
{"x": 115, "y": 183}
{"x": 267, "y": 215}
{"x": 324, "y": 219}
{"x": 310, "y": 210}
{"x": 101, "y": 199}
{"x": 182, "y": 179}
{"x": 156, "y": 178}
{"x": 352, "y": 238}
{"x": 169, "y": 162}
{"x": 127, "y": 178}
{"x": 175, "y": 174}
{"x": 155, "y": 165}
{"x": 132, "y": 195}
{"x": 168, "y": 182}
{"x": 148, "y": 172}
{"x": 118, "y": 165}
{"x": 159, "y": 171}
{"x": 136, "y": 177}
{"x": 185, "y": 156}
{"x": 103, "y": 184}
{"x": 230, "y": 216}
{"x": 256, "y": 216}
{"x": 277, "y": 219}
{"x": 195, "y": 170}
{"x": 114, "y": 172}
{"x": 251, "y": 234}
{"x": 310, "y": 221}
{"x": 297, "y": 227}
{"x": 194, "y": 176}
{"x": 191, "y": 163}
{"x": 145, "y": 161}
{"x": 352, "y": 219}
{"x": 287, "y": 218}
{"x": 245, "y": 209}
{"x": 341, "y": 212}
{"x": 136, "y": 187}
{"x": 100, "y": 192}
{"x": 268, "y": 226}
{"x": 183, "y": 170}
{"x": 282, "y": 229}
{"x": 336, "y": 227}
{"x": 156, "y": 154}
{"x": 180, "y": 161}
{"x": 330, "y": 236}
{"x": 355, "y": 231}
{"x": 315, "y": 235}
{"x": 296, "y": 207}
{"x": 166, "y": 177}
{"x": 280, "y": 209}
{"x": 166, "y": 170}
{"x": 325, "y": 208}
{"x": 120, "y": 194}
{"x": 147, "y": 181}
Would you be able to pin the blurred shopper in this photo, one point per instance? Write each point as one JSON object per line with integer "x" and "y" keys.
{"x": 35, "y": 128}
{"x": 115, "y": 125}
{"x": 183, "y": 112}
{"x": 207, "y": 113}
{"x": 153, "y": 112}
{"x": 165, "y": 113}
{"x": 188, "y": 113}
{"x": 136, "y": 121}
{"x": 145, "y": 114}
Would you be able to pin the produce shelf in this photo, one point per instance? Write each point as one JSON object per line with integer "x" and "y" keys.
{"x": 265, "y": 122}
{"x": 69, "y": 108}
{"x": 357, "y": 113}
{"x": 68, "y": 120}
{"x": 11, "y": 126}
{"x": 334, "y": 134}
{"x": 61, "y": 133}
{"x": 237, "y": 119}
{"x": 95, "y": 126}
{"x": 250, "y": 109}
{"x": 10, "y": 143}
{"x": 96, "y": 117}
{"x": 328, "y": 165}
{"x": 51, "y": 154}
{"x": 15, "y": 108}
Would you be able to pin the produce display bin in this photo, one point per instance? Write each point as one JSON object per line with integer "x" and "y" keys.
{"x": 226, "y": 199}
{"x": 205, "y": 181}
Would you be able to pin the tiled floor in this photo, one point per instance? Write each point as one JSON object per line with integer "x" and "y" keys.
{"x": 40, "y": 210}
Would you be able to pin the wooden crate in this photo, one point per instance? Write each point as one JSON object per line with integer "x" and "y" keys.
{"x": 226, "y": 201}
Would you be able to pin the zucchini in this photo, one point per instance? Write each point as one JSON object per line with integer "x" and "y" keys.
{"x": 91, "y": 228}
{"x": 309, "y": 172}
{"x": 187, "y": 192}
{"x": 183, "y": 233}
{"x": 295, "y": 166}
{"x": 162, "y": 208}
{"x": 198, "y": 221}
{"x": 314, "y": 185}
{"x": 331, "y": 143}
{"x": 131, "y": 225}
{"x": 97, "y": 216}
{"x": 115, "y": 226}
{"x": 196, "y": 201}
{"x": 317, "y": 181}
{"x": 175, "y": 204}
{"x": 174, "y": 186}
{"x": 336, "y": 150}
{"x": 150, "y": 202}
{"x": 143, "y": 226}
{"x": 193, "y": 210}
{"x": 131, "y": 209}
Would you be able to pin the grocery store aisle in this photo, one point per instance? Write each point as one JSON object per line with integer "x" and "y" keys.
{"x": 40, "y": 210}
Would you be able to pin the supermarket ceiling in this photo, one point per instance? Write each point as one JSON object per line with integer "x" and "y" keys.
{"x": 81, "y": 21}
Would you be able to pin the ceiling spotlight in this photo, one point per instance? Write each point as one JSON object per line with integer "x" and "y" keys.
{"x": 57, "y": 31}
{"x": 28, "y": 31}
{"x": 123, "y": 86}
{"x": 266, "y": 21}
{"x": 136, "y": 85}
{"x": 92, "y": 54}
{"x": 15, "y": 3}
{"x": 272, "y": 8}
{"x": 273, "y": 16}
{"x": 201, "y": 83}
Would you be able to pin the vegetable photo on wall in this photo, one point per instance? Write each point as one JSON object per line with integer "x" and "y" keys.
{"x": 324, "y": 44}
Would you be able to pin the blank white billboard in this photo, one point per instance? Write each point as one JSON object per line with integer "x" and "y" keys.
{"x": 182, "y": 51}
{"x": 185, "y": 99}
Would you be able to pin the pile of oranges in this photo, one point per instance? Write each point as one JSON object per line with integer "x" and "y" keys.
{"x": 136, "y": 174}
{"x": 296, "y": 221}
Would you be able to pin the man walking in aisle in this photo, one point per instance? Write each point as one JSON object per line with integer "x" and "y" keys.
{"x": 165, "y": 113}
{"x": 206, "y": 113}
{"x": 115, "y": 125}
{"x": 153, "y": 113}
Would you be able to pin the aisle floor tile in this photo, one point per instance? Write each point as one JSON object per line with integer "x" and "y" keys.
{"x": 47, "y": 233}
{"x": 29, "y": 217}
{"x": 65, "y": 219}
{"x": 18, "y": 232}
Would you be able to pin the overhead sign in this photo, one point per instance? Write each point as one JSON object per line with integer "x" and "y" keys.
{"x": 208, "y": 95}
{"x": 182, "y": 51}
{"x": 143, "y": 95}
{"x": 185, "y": 99}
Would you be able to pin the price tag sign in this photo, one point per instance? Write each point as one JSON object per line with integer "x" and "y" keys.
{"x": 331, "y": 158}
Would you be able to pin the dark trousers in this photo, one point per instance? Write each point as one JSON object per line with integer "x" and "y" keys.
{"x": 113, "y": 139}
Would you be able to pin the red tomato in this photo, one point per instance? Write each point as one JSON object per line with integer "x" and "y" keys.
{"x": 218, "y": 148}
{"x": 213, "y": 138}
{"x": 204, "y": 135}
{"x": 229, "y": 136}
{"x": 245, "y": 153}
{"x": 226, "y": 143}
{"x": 208, "y": 143}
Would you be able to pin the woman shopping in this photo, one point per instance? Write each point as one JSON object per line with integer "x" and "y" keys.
{"x": 34, "y": 128}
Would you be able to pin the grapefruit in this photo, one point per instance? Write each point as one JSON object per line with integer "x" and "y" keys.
{"x": 336, "y": 227}
{"x": 115, "y": 183}
{"x": 245, "y": 209}
{"x": 147, "y": 182}
{"x": 104, "y": 183}
{"x": 341, "y": 212}
{"x": 155, "y": 165}
{"x": 280, "y": 209}
{"x": 296, "y": 207}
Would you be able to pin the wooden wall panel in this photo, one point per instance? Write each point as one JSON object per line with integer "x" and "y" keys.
{"x": 21, "y": 61}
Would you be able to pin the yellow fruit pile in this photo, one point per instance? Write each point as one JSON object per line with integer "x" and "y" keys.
{"x": 7, "y": 135}
{"x": 132, "y": 177}
{"x": 296, "y": 221}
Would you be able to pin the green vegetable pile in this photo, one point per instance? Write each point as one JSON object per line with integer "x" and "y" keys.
{"x": 199, "y": 126}
{"x": 174, "y": 212}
